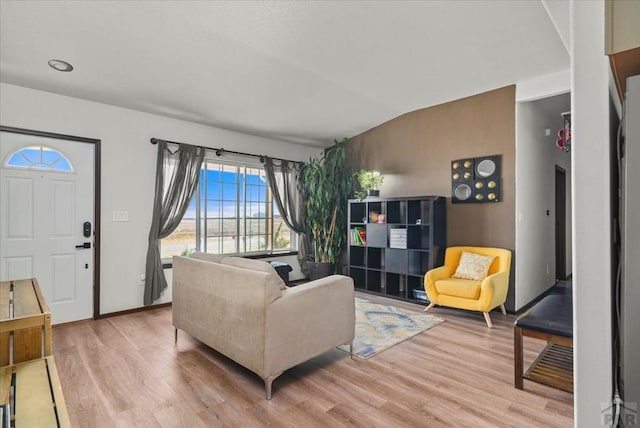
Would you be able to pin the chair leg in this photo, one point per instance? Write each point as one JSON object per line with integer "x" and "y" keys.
{"x": 487, "y": 318}
{"x": 431, "y": 305}
{"x": 502, "y": 308}
{"x": 175, "y": 336}
{"x": 351, "y": 350}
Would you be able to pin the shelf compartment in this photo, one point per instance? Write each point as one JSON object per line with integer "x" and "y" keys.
{"x": 398, "y": 237}
{"x": 418, "y": 211}
{"x": 377, "y": 207}
{"x": 357, "y": 256}
{"x": 375, "y": 258}
{"x": 356, "y": 237}
{"x": 396, "y": 260}
{"x": 375, "y": 282}
{"x": 396, "y": 285}
{"x": 397, "y": 212}
{"x": 416, "y": 283}
{"x": 359, "y": 277}
{"x": 377, "y": 235}
{"x": 418, "y": 237}
{"x": 357, "y": 212}
{"x": 419, "y": 262}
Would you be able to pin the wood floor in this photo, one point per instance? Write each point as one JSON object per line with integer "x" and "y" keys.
{"x": 125, "y": 371}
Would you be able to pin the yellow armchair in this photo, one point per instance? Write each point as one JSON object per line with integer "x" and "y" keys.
{"x": 444, "y": 290}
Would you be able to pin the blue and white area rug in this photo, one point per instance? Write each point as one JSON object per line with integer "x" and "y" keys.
{"x": 379, "y": 327}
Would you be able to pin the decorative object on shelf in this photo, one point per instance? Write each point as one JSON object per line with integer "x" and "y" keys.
{"x": 382, "y": 218}
{"x": 369, "y": 182}
{"x": 564, "y": 134}
{"x": 373, "y": 217}
{"x": 325, "y": 186}
{"x": 475, "y": 180}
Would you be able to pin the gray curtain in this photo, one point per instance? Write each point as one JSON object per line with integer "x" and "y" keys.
{"x": 283, "y": 182}
{"x": 177, "y": 176}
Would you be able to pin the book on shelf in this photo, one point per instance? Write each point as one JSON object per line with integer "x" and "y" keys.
{"x": 358, "y": 236}
{"x": 362, "y": 234}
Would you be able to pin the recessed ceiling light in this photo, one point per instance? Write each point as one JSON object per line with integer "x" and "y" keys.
{"x": 59, "y": 65}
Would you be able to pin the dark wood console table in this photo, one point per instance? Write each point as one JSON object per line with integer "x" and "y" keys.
{"x": 551, "y": 320}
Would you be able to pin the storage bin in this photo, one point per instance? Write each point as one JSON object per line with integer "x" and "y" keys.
{"x": 398, "y": 238}
{"x": 420, "y": 295}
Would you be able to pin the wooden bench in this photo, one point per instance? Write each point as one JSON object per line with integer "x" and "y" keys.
{"x": 25, "y": 322}
{"x": 31, "y": 395}
{"x": 551, "y": 320}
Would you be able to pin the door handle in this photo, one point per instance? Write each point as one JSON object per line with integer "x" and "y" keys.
{"x": 84, "y": 245}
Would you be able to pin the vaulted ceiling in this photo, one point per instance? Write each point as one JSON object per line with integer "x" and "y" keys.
{"x": 305, "y": 71}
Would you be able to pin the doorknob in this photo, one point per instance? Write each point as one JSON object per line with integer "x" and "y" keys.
{"x": 84, "y": 245}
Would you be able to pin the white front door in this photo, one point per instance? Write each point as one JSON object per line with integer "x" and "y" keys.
{"x": 46, "y": 193}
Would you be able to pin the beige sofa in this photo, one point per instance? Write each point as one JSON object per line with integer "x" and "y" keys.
{"x": 242, "y": 309}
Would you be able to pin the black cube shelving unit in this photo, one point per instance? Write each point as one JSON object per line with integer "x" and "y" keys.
{"x": 391, "y": 255}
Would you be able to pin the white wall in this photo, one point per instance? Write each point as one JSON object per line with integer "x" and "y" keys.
{"x": 536, "y": 160}
{"x": 592, "y": 217}
{"x": 544, "y": 86}
{"x": 128, "y": 172}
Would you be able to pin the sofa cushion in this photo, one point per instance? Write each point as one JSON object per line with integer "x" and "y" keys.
{"x": 473, "y": 266}
{"x": 208, "y": 257}
{"x": 456, "y": 287}
{"x": 256, "y": 265}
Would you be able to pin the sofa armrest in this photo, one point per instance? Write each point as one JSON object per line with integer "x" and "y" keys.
{"x": 308, "y": 320}
{"x": 430, "y": 279}
{"x": 493, "y": 291}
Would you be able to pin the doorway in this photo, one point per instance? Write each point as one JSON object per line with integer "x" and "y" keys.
{"x": 49, "y": 224}
{"x": 561, "y": 223}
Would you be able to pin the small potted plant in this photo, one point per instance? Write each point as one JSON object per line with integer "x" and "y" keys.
{"x": 369, "y": 182}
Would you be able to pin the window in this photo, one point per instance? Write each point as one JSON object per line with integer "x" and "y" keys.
{"x": 232, "y": 212}
{"x": 39, "y": 157}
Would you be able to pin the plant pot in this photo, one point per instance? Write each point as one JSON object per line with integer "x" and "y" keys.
{"x": 373, "y": 193}
{"x": 319, "y": 270}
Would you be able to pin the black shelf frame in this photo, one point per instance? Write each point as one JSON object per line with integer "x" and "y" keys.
{"x": 380, "y": 269}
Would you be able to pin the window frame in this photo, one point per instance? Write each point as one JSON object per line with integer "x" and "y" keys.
{"x": 42, "y": 165}
{"x": 242, "y": 167}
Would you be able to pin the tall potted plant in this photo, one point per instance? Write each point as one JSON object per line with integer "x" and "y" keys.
{"x": 326, "y": 184}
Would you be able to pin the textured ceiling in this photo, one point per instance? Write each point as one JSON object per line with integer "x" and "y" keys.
{"x": 303, "y": 71}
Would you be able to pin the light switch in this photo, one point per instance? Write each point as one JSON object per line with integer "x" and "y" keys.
{"x": 120, "y": 216}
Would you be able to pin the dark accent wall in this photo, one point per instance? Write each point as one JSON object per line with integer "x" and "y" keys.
{"x": 414, "y": 152}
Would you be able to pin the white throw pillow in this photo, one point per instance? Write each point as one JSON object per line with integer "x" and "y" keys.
{"x": 473, "y": 266}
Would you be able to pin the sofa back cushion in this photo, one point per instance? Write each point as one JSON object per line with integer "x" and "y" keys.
{"x": 208, "y": 257}
{"x": 256, "y": 265}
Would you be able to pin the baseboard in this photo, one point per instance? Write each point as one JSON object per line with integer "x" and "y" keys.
{"x": 134, "y": 310}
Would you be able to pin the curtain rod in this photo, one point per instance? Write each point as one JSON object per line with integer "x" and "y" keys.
{"x": 221, "y": 151}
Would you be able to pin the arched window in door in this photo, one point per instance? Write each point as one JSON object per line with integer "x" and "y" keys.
{"x": 42, "y": 158}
